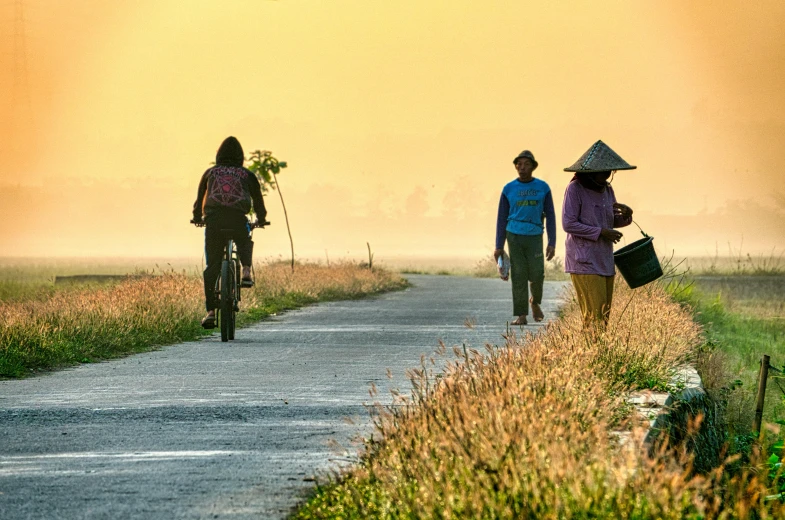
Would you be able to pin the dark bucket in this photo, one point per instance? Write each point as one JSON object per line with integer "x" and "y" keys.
{"x": 638, "y": 263}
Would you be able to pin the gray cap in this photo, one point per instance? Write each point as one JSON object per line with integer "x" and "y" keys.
{"x": 526, "y": 154}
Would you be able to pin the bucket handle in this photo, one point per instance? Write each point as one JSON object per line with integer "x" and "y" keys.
{"x": 642, "y": 231}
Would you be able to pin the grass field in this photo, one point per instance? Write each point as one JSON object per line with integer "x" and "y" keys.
{"x": 33, "y": 278}
{"x": 744, "y": 318}
{"x": 43, "y": 326}
{"x": 737, "y": 263}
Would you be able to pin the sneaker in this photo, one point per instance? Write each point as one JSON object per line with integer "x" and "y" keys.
{"x": 246, "y": 282}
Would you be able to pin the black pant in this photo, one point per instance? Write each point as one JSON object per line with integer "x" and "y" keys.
{"x": 214, "y": 243}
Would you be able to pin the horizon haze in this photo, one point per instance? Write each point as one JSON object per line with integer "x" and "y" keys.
{"x": 399, "y": 121}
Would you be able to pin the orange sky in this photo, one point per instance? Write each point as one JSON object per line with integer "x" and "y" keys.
{"x": 377, "y": 103}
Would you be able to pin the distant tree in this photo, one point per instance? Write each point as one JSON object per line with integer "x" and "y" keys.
{"x": 266, "y": 168}
{"x": 417, "y": 203}
{"x": 462, "y": 199}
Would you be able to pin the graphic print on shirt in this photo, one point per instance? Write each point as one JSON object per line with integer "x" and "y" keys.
{"x": 528, "y": 198}
{"x": 524, "y": 209}
{"x": 226, "y": 186}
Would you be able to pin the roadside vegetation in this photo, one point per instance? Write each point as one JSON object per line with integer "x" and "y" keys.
{"x": 530, "y": 429}
{"x": 744, "y": 318}
{"x": 740, "y": 302}
{"x": 43, "y": 326}
{"x": 737, "y": 263}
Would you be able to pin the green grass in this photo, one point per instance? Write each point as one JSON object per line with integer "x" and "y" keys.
{"x": 12, "y": 290}
{"x": 434, "y": 271}
{"x": 737, "y": 263}
{"x": 744, "y": 318}
{"x": 25, "y": 279}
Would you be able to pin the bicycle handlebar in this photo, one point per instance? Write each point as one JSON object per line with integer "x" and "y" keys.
{"x": 253, "y": 225}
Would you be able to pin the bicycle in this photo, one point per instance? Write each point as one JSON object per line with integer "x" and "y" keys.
{"x": 228, "y": 284}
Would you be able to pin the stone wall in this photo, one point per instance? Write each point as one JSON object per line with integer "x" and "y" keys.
{"x": 686, "y": 415}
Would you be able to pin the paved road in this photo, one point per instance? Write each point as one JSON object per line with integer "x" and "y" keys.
{"x": 212, "y": 430}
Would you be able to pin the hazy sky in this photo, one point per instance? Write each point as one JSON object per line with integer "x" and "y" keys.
{"x": 376, "y": 103}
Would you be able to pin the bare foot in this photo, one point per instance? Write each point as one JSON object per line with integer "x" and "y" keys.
{"x": 520, "y": 320}
{"x": 537, "y": 311}
{"x": 208, "y": 322}
{"x": 246, "y": 280}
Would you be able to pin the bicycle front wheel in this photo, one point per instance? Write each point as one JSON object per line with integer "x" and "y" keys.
{"x": 227, "y": 300}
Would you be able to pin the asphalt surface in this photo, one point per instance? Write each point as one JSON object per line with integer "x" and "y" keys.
{"x": 206, "y": 429}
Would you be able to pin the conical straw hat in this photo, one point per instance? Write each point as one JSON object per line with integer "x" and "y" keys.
{"x": 599, "y": 158}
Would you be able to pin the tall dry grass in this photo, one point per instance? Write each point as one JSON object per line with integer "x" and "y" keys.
{"x": 527, "y": 430}
{"x": 97, "y": 322}
{"x": 338, "y": 280}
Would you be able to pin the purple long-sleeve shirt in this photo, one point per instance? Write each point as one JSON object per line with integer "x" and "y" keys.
{"x": 584, "y": 214}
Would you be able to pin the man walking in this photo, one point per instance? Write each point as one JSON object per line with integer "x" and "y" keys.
{"x": 524, "y": 204}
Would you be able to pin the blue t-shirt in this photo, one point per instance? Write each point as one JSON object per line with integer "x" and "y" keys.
{"x": 521, "y": 210}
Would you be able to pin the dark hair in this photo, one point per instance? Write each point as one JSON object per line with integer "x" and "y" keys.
{"x": 230, "y": 153}
{"x": 587, "y": 181}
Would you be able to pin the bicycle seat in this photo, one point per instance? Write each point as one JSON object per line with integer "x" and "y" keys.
{"x": 231, "y": 233}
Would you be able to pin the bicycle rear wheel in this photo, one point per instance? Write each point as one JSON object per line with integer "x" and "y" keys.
{"x": 235, "y": 298}
{"x": 227, "y": 300}
{"x": 231, "y": 325}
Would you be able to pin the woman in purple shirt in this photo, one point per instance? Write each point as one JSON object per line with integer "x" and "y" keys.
{"x": 589, "y": 215}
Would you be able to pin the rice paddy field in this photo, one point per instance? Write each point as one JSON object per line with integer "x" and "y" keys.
{"x": 45, "y": 325}
{"x": 737, "y": 264}
{"x": 744, "y": 318}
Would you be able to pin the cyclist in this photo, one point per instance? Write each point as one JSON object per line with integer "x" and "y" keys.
{"x": 226, "y": 194}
